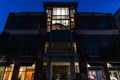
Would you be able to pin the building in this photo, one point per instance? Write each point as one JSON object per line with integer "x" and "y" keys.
{"x": 59, "y": 43}
{"x": 117, "y": 17}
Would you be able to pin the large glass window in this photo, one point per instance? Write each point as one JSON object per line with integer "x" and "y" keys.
{"x": 60, "y": 25}
{"x": 114, "y": 69}
{"x": 103, "y": 24}
{"x": 60, "y": 11}
{"x": 6, "y": 72}
{"x": 86, "y": 24}
{"x": 59, "y": 18}
{"x": 91, "y": 47}
{"x": 2, "y": 68}
{"x": 26, "y": 73}
{"x": 105, "y": 41}
{"x": 61, "y": 46}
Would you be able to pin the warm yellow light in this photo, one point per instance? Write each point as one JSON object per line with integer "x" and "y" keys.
{"x": 72, "y": 19}
{"x": 48, "y": 19}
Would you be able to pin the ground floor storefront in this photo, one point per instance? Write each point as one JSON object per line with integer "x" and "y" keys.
{"x": 58, "y": 71}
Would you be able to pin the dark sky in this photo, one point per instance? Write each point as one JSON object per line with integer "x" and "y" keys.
{"x": 6, "y": 6}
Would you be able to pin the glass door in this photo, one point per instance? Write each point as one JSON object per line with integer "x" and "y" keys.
{"x": 60, "y": 71}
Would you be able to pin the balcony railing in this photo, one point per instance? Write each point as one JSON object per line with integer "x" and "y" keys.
{"x": 97, "y": 32}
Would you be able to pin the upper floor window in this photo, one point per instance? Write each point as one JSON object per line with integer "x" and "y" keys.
{"x": 60, "y": 11}
{"x": 118, "y": 18}
{"x": 86, "y": 24}
{"x": 103, "y": 24}
{"x": 91, "y": 47}
{"x": 61, "y": 46}
{"x": 105, "y": 41}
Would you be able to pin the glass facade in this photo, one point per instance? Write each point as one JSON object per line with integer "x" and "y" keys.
{"x": 115, "y": 75}
{"x": 60, "y": 47}
{"x": 60, "y": 11}
{"x": 105, "y": 41}
{"x": 86, "y": 24}
{"x": 6, "y": 72}
{"x": 103, "y": 23}
{"x": 60, "y": 61}
{"x": 114, "y": 71}
{"x": 26, "y": 72}
{"x": 25, "y": 23}
{"x": 95, "y": 75}
{"x": 59, "y": 18}
{"x": 91, "y": 47}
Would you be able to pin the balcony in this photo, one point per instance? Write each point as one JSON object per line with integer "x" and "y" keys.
{"x": 97, "y": 32}
{"x": 23, "y": 31}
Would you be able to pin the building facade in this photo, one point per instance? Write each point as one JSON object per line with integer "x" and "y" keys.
{"x": 117, "y": 17}
{"x": 58, "y": 44}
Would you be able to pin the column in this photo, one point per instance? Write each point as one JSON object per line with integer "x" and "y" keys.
{"x": 49, "y": 70}
{"x": 72, "y": 70}
{"x": 38, "y": 70}
{"x": 15, "y": 72}
{"x": 106, "y": 71}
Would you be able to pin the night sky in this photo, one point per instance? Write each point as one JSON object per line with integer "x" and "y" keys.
{"x": 7, "y": 6}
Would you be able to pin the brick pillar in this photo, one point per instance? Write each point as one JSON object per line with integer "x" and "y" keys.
{"x": 15, "y": 72}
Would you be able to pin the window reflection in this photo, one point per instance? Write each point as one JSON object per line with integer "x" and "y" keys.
{"x": 60, "y": 25}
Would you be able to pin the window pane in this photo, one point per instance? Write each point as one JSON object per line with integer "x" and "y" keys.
{"x": 61, "y": 46}
{"x": 86, "y": 24}
{"x": 60, "y": 11}
{"x": 2, "y": 69}
{"x": 103, "y": 24}
{"x": 60, "y": 25}
{"x": 91, "y": 47}
{"x": 105, "y": 41}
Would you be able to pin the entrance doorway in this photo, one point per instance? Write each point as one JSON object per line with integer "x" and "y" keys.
{"x": 60, "y": 71}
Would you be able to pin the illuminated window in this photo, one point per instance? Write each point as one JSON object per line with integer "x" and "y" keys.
{"x": 6, "y": 72}
{"x": 60, "y": 11}
{"x": 26, "y": 72}
{"x": 61, "y": 46}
